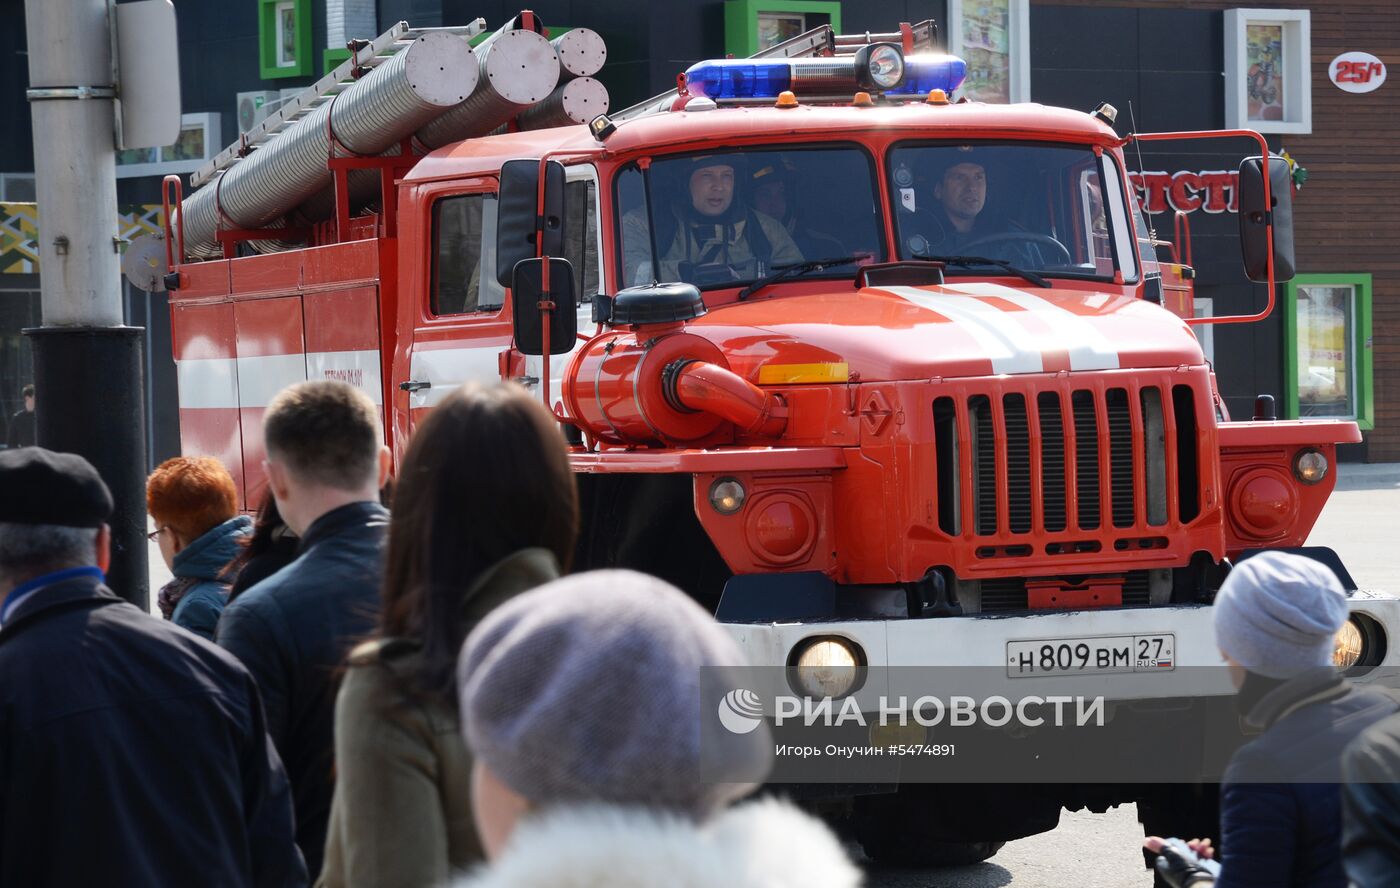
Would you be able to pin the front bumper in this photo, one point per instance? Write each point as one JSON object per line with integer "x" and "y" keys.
{"x": 912, "y": 657}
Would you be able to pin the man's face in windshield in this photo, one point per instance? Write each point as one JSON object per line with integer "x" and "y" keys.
{"x": 770, "y": 198}
{"x": 963, "y": 193}
{"x": 712, "y": 189}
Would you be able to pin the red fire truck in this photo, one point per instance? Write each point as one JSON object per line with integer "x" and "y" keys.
{"x": 882, "y": 377}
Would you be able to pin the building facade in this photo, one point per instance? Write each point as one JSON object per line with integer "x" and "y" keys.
{"x": 1310, "y": 76}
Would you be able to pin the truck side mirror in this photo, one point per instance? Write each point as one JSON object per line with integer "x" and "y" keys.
{"x": 526, "y": 293}
{"x": 1254, "y": 218}
{"x": 517, "y": 220}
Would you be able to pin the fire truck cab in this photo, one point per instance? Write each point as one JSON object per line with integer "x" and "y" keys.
{"x": 881, "y": 378}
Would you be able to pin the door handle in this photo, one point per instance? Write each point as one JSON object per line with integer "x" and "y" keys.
{"x": 413, "y": 385}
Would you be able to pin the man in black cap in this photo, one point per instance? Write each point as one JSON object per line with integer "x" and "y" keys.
{"x": 131, "y": 751}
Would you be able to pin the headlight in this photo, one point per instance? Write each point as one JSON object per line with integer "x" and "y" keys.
{"x": 1310, "y": 466}
{"x": 727, "y": 495}
{"x": 1349, "y": 646}
{"x": 826, "y": 667}
{"x": 880, "y": 66}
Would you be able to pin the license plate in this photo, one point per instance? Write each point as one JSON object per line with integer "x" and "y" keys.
{"x": 1088, "y": 656}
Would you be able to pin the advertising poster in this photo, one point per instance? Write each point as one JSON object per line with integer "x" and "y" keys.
{"x": 775, "y": 27}
{"x": 1264, "y": 58}
{"x": 1325, "y": 386}
{"x": 986, "y": 46}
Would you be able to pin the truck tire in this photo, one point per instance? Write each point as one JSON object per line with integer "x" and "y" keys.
{"x": 900, "y": 851}
{"x": 928, "y": 825}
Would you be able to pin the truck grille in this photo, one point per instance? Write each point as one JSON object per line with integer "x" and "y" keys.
{"x": 1065, "y": 461}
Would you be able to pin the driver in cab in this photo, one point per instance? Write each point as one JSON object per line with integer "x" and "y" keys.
{"x": 957, "y": 218}
{"x": 711, "y": 235}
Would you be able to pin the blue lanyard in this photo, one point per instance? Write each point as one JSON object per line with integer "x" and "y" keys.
{"x": 23, "y": 590}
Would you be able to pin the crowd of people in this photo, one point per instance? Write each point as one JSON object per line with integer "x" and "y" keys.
{"x": 347, "y": 694}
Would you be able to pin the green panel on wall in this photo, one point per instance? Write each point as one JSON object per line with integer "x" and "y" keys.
{"x": 282, "y": 55}
{"x": 741, "y": 20}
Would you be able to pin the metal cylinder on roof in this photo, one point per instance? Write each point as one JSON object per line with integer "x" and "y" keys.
{"x": 486, "y": 110}
{"x": 434, "y": 72}
{"x": 581, "y": 53}
{"x": 518, "y": 69}
{"x": 578, "y": 101}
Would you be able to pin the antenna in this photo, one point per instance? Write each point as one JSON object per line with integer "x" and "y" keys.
{"x": 1137, "y": 143}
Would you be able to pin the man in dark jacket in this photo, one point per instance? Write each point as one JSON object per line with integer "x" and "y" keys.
{"x": 1371, "y": 806}
{"x": 131, "y": 752}
{"x": 1276, "y": 620}
{"x": 325, "y": 464}
{"x": 22, "y": 430}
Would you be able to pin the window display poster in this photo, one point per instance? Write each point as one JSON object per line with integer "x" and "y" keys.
{"x": 1264, "y": 74}
{"x": 1325, "y": 356}
{"x": 986, "y": 47}
{"x": 775, "y": 27}
{"x": 286, "y": 35}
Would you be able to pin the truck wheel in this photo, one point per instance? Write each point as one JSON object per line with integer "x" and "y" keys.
{"x": 905, "y": 851}
{"x": 928, "y": 825}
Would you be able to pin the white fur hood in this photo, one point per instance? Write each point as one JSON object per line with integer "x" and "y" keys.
{"x": 763, "y": 844}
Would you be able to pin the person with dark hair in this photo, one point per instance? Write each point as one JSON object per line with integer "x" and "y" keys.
{"x": 22, "y": 432}
{"x": 326, "y": 462}
{"x": 195, "y": 507}
{"x": 1276, "y": 620}
{"x": 485, "y": 508}
{"x": 269, "y": 548}
{"x": 131, "y": 752}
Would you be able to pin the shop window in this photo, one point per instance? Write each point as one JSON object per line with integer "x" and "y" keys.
{"x": 196, "y": 145}
{"x": 284, "y": 38}
{"x": 993, "y": 37}
{"x": 1268, "y": 83}
{"x": 751, "y": 26}
{"x": 1327, "y": 342}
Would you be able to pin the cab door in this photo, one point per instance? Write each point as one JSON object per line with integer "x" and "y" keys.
{"x": 454, "y": 316}
{"x": 584, "y": 249}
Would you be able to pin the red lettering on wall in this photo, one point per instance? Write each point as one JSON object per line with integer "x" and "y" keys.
{"x": 1215, "y": 191}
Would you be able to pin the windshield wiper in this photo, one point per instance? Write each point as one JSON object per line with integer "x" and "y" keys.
{"x": 795, "y": 270}
{"x": 968, "y": 261}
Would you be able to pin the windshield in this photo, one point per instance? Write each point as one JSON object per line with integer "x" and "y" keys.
{"x": 727, "y": 219}
{"x": 1037, "y": 207}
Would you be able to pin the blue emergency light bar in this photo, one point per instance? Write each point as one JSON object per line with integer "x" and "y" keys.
{"x": 924, "y": 73}
{"x": 739, "y": 78}
{"x": 878, "y": 68}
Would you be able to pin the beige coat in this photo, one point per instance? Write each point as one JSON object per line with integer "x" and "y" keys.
{"x": 401, "y": 815}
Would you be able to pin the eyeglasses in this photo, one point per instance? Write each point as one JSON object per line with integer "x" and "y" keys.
{"x": 155, "y": 533}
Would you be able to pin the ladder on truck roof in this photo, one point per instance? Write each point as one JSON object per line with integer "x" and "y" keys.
{"x": 365, "y": 55}
{"x": 821, "y": 41}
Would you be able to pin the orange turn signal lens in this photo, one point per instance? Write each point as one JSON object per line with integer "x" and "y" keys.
{"x": 794, "y": 374}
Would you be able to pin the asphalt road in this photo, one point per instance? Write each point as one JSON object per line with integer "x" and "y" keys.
{"x": 1101, "y": 850}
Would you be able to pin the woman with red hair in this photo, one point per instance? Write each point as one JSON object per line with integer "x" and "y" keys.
{"x": 195, "y": 507}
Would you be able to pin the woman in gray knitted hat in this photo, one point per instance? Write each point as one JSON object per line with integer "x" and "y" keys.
{"x": 581, "y": 702}
{"x": 485, "y": 508}
{"x": 1276, "y": 621}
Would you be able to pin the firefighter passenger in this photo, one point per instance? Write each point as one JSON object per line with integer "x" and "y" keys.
{"x": 710, "y": 235}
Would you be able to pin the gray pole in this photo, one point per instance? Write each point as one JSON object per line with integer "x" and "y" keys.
{"x": 87, "y": 365}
